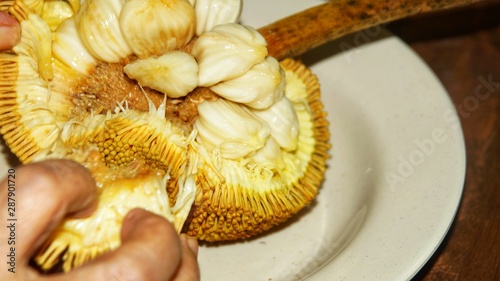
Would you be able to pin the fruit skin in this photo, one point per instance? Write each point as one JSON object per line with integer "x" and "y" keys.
{"x": 228, "y": 207}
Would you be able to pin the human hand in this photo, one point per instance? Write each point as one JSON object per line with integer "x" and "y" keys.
{"x": 10, "y": 31}
{"x": 47, "y": 192}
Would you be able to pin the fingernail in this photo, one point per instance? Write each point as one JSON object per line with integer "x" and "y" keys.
{"x": 131, "y": 219}
{"x": 9, "y": 29}
{"x": 192, "y": 243}
{"x": 9, "y": 33}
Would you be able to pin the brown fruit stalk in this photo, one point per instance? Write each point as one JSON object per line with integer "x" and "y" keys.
{"x": 298, "y": 33}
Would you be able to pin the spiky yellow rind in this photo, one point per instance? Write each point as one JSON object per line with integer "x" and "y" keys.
{"x": 237, "y": 202}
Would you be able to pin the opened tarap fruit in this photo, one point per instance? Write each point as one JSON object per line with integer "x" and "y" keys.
{"x": 173, "y": 106}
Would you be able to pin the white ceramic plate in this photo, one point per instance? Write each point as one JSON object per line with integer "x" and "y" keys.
{"x": 394, "y": 180}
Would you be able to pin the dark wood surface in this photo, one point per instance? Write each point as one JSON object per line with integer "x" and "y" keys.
{"x": 462, "y": 46}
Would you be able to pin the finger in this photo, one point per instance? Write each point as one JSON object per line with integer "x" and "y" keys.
{"x": 193, "y": 245}
{"x": 150, "y": 250}
{"x": 189, "y": 269}
{"x": 44, "y": 193}
{"x": 10, "y": 31}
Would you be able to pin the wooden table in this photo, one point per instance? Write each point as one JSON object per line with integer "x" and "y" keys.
{"x": 462, "y": 46}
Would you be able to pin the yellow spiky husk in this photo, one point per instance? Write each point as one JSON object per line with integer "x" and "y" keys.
{"x": 235, "y": 203}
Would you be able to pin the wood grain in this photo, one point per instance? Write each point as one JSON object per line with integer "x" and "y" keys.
{"x": 296, "y": 34}
{"x": 463, "y": 48}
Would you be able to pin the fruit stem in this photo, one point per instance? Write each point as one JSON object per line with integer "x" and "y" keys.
{"x": 301, "y": 32}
